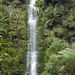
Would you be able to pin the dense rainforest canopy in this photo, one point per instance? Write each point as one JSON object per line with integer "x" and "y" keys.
{"x": 56, "y": 37}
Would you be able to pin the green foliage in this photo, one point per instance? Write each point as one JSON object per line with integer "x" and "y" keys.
{"x": 16, "y": 2}
{"x": 4, "y": 19}
{"x": 68, "y": 54}
{"x": 13, "y": 40}
{"x": 59, "y": 32}
{"x": 71, "y": 18}
{"x": 73, "y": 45}
{"x": 38, "y": 3}
{"x": 58, "y": 44}
{"x": 56, "y": 29}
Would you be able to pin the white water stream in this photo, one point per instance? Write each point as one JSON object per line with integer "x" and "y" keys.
{"x": 32, "y": 46}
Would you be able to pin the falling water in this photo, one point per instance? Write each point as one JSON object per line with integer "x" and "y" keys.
{"x": 32, "y": 46}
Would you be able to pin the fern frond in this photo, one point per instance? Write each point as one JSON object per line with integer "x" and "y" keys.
{"x": 67, "y": 54}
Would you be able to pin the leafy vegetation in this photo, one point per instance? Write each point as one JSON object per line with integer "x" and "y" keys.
{"x": 13, "y": 39}
{"x": 56, "y": 43}
{"x": 56, "y": 40}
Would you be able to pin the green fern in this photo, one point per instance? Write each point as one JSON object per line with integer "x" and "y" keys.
{"x": 67, "y": 54}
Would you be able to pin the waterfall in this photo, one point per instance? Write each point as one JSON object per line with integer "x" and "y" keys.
{"x": 32, "y": 45}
